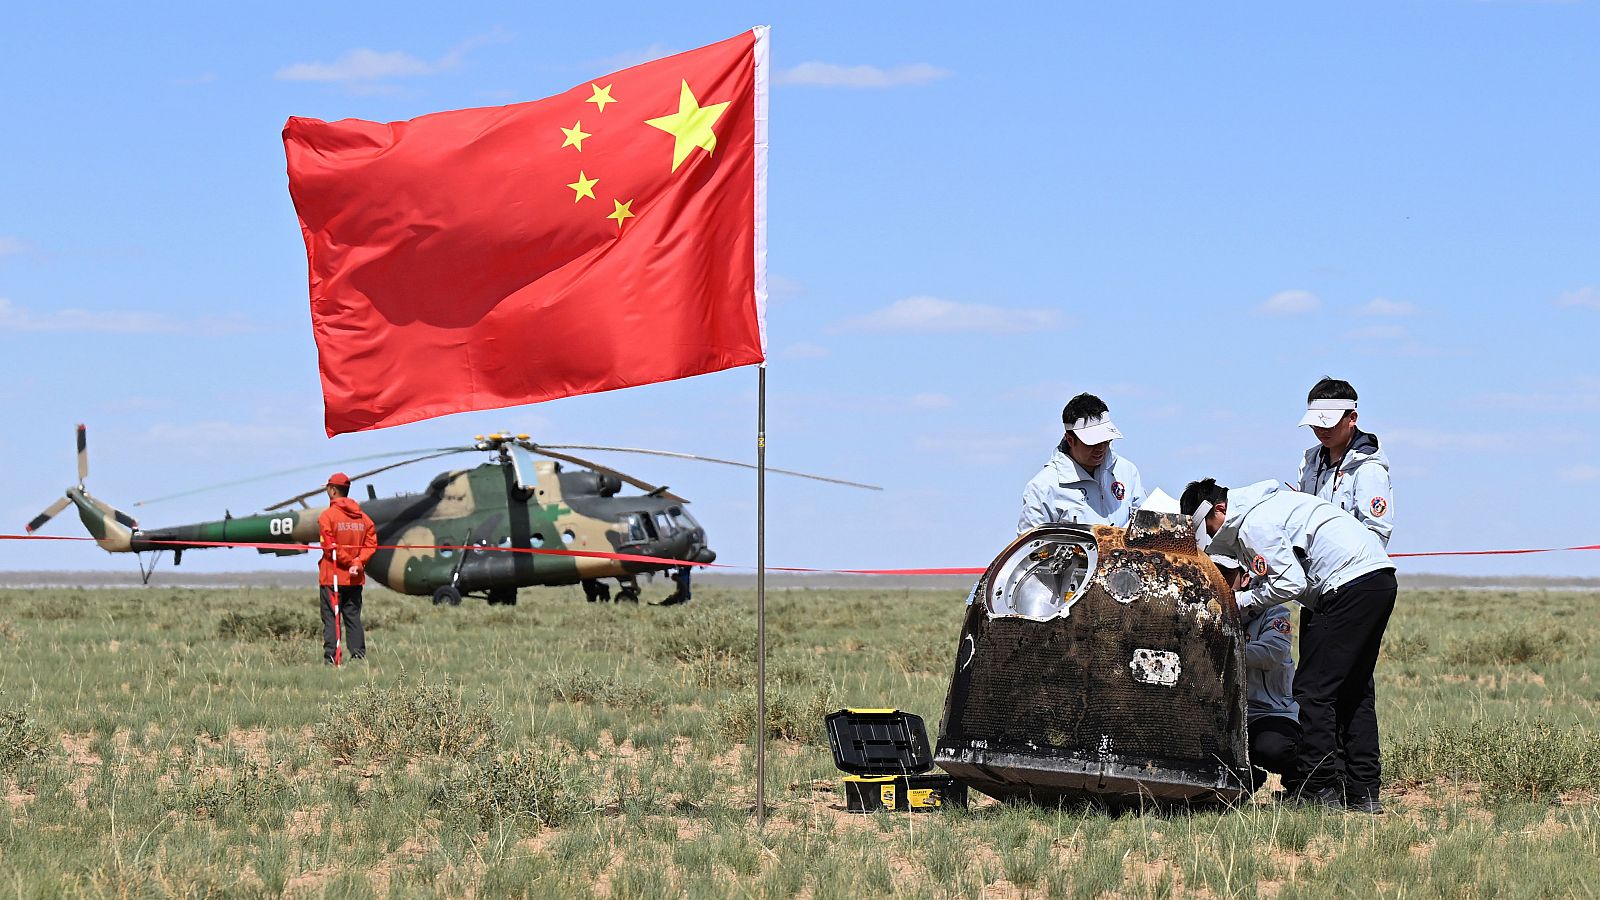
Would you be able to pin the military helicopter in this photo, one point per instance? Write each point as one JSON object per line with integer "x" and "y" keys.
{"x": 513, "y": 500}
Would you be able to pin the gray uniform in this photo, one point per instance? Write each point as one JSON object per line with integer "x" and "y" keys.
{"x": 1359, "y": 485}
{"x": 1296, "y": 546}
{"x": 1064, "y": 491}
{"x": 1269, "y": 666}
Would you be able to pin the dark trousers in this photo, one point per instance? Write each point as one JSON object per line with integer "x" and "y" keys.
{"x": 1273, "y": 742}
{"x": 1333, "y": 684}
{"x": 355, "y": 637}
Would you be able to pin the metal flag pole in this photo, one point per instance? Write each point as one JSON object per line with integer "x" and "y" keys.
{"x": 761, "y": 597}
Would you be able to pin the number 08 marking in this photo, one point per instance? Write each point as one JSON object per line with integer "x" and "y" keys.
{"x": 280, "y": 526}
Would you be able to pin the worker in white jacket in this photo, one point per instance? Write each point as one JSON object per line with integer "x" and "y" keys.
{"x": 1347, "y": 467}
{"x": 1270, "y": 710}
{"x": 1301, "y": 548}
{"x": 1084, "y": 481}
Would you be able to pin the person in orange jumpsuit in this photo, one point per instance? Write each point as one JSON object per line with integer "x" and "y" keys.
{"x": 348, "y": 541}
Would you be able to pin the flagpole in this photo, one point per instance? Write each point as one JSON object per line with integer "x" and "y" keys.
{"x": 761, "y": 596}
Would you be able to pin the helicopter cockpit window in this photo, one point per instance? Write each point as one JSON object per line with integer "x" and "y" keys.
{"x": 635, "y": 528}
{"x": 1042, "y": 578}
{"x": 682, "y": 519}
{"x": 664, "y": 525}
{"x": 524, "y": 466}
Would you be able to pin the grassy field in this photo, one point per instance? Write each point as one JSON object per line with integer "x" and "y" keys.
{"x": 189, "y": 742}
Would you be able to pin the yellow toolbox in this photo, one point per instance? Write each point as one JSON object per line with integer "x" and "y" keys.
{"x": 885, "y": 753}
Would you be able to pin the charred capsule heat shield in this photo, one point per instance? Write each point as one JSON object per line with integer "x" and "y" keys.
{"x": 1100, "y": 664}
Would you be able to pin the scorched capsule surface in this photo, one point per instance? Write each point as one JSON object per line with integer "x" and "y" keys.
{"x": 1098, "y": 663}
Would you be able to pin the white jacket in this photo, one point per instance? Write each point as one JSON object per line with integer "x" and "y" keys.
{"x": 1064, "y": 491}
{"x": 1359, "y": 485}
{"x": 1269, "y": 666}
{"x": 1296, "y": 546}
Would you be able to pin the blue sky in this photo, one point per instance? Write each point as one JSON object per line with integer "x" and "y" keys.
{"x": 1193, "y": 210}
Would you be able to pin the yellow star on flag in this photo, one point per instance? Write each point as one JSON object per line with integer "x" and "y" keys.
{"x": 575, "y": 135}
{"x": 623, "y": 211}
{"x": 690, "y": 126}
{"x": 602, "y": 96}
{"x": 583, "y": 187}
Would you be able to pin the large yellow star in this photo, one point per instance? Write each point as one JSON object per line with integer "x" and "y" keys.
{"x": 690, "y": 126}
{"x": 602, "y": 96}
{"x": 623, "y": 211}
{"x": 584, "y": 187}
{"x": 575, "y": 135}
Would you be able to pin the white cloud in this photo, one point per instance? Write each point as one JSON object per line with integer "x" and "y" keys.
{"x": 12, "y": 246}
{"x": 1378, "y": 333}
{"x": 1290, "y": 303}
{"x": 1379, "y": 306}
{"x": 1449, "y": 441}
{"x": 364, "y": 65}
{"x": 1581, "y": 474}
{"x": 804, "y": 350}
{"x": 217, "y": 433}
{"x": 931, "y": 315}
{"x": 821, "y": 74}
{"x": 782, "y": 287}
{"x": 17, "y": 318}
{"x": 1585, "y": 296}
{"x": 980, "y": 450}
{"x": 931, "y": 401}
{"x": 630, "y": 58}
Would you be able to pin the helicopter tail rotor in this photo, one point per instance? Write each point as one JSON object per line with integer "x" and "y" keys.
{"x": 111, "y": 527}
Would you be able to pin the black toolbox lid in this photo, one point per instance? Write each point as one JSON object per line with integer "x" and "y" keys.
{"x": 879, "y": 742}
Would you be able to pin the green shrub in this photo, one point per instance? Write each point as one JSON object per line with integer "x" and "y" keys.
{"x": 524, "y": 785}
{"x": 719, "y": 632}
{"x": 582, "y": 686}
{"x": 1505, "y": 759}
{"x": 247, "y": 791}
{"x": 796, "y": 706}
{"x": 1405, "y": 647}
{"x": 408, "y": 720}
{"x": 22, "y": 740}
{"x": 268, "y": 624}
{"x": 1510, "y": 647}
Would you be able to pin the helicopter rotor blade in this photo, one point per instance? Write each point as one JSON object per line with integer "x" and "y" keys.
{"x": 647, "y": 487}
{"x": 281, "y": 472}
{"x": 369, "y": 473}
{"x": 712, "y": 459}
{"x": 83, "y": 453}
{"x": 50, "y": 512}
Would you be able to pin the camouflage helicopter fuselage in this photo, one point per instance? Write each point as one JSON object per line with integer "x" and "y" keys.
{"x": 493, "y": 510}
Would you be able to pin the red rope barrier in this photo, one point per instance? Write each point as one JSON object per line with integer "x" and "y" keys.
{"x": 664, "y": 561}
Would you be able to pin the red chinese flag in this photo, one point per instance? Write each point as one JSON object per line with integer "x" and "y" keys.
{"x": 606, "y": 237}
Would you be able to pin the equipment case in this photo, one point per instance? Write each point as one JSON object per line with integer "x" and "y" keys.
{"x": 885, "y": 752}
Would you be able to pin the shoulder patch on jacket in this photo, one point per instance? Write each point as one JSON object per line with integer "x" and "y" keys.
{"x": 1379, "y": 506}
{"x": 1259, "y": 565}
{"x": 1281, "y": 625}
{"x": 1118, "y": 490}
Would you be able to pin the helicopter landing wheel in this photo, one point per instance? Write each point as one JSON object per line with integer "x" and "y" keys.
{"x": 447, "y": 596}
{"x": 502, "y": 596}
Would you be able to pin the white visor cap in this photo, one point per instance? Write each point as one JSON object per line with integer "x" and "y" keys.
{"x": 1326, "y": 413}
{"x": 1094, "y": 429}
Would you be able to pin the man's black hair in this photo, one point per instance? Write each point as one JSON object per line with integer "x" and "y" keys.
{"x": 1198, "y": 492}
{"x": 1083, "y": 406}
{"x": 343, "y": 489}
{"x": 1331, "y": 389}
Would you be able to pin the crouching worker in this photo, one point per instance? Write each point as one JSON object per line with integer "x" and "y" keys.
{"x": 1300, "y": 548}
{"x": 348, "y": 541}
{"x": 1269, "y": 680}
